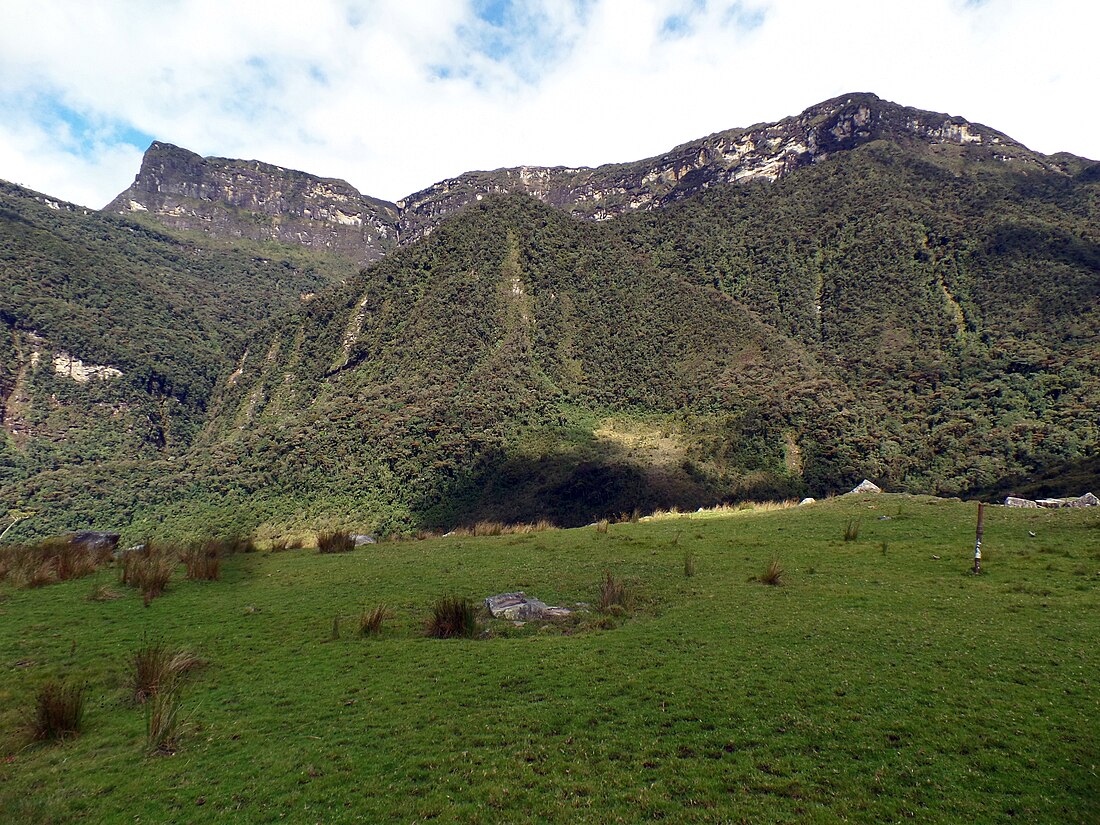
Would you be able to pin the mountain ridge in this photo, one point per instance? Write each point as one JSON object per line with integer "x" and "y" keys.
{"x": 235, "y": 198}
{"x": 909, "y": 298}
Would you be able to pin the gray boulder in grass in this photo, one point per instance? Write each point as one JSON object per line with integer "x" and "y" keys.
{"x": 866, "y": 486}
{"x": 518, "y": 607}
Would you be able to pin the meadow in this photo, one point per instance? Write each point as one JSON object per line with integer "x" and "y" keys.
{"x": 878, "y": 680}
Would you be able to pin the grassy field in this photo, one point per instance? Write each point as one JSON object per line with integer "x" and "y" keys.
{"x": 880, "y": 682}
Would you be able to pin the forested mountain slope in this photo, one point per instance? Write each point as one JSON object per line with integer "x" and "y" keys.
{"x": 922, "y": 320}
{"x": 915, "y": 300}
{"x": 113, "y": 336}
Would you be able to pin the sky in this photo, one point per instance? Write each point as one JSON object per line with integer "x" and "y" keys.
{"x": 394, "y": 96}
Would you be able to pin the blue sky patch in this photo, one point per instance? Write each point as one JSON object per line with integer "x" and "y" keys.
{"x": 87, "y": 132}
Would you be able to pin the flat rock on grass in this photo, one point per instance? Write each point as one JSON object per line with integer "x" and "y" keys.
{"x": 518, "y": 607}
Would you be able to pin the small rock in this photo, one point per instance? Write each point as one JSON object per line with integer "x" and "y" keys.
{"x": 1016, "y": 501}
{"x": 361, "y": 538}
{"x": 935, "y": 558}
{"x": 807, "y": 501}
{"x": 1087, "y": 500}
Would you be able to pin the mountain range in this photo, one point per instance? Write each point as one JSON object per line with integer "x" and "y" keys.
{"x": 863, "y": 289}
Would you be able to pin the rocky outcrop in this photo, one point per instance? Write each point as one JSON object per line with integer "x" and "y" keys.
{"x": 762, "y": 152}
{"x": 248, "y": 199}
{"x": 518, "y": 607}
{"x": 865, "y": 486}
{"x": 232, "y": 198}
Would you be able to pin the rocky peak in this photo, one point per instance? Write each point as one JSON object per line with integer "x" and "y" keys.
{"x": 766, "y": 151}
{"x": 257, "y": 200}
{"x": 250, "y": 199}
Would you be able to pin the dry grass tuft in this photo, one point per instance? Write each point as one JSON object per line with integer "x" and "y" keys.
{"x": 851, "y": 529}
{"x": 689, "y": 564}
{"x": 497, "y": 528}
{"x": 335, "y": 541}
{"x": 453, "y": 618}
{"x": 163, "y": 725}
{"x": 203, "y": 560}
{"x": 58, "y": 711}
{"x": 48, "y": 562}
{"x": 370, "y": 622}
{"x": 613, "y": 596}
{"x": 156, "y": 668}
{"x": 103, "y": 593}
{"x": 149, "y": 570}
{"x": 601, "y": 525}
{"x": 773, "y": 574}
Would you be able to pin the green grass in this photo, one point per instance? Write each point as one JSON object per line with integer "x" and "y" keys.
{"x": 868, "y": 688}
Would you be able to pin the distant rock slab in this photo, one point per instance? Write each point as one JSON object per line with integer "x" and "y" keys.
{"x": 94, "y": 540}
{"x": 361, "y": 538}
{"x": 518, "y": 607}
{"x": 866, "y": 486}
{"x": 1087, "y": 500}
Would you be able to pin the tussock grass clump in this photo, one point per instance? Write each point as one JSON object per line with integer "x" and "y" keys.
{"x": 203, "y": 560}
{"x": 148, "y": 570}
{"x": 370, "y": 621}
{"x": 453, "y": 618}
{"x": 237, "y": 544}
{"x": 497, "y": 528}
{"x": 335, "y": 541}
{"x": 773, "y": 574}
{"x": 851, "y": 529}
{"x": 284, "y": 544}
{"x": 601, "y": 525}
{"x": 613, "y": 596}
{"x": 48, "y": 562}
{"x": 154, "y": 668}
{"x": 58, "y": 711}
{"x": 488, "y": 528}
{"x": 103, "y": 593}
{"x": 163, "y": 725}
{"x": 725, "y": 509}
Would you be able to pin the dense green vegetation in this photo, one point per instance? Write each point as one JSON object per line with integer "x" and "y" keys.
{"x": 923, "y": 315}
{"x": 880, "y": 682}
{"x": 172, "y": 315}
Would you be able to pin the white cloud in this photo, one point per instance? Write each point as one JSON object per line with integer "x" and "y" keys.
{"x": 393, "y": 96}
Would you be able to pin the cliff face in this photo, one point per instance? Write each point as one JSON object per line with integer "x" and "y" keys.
{"x": 231, "y": 198}
{"x": 765, "y": 151}
{"x": 248, "y": 199}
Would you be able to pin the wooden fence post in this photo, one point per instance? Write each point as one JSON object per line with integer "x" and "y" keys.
{"x": 978, "y": 540}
